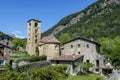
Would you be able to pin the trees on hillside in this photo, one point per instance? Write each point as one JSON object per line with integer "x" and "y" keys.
{"x": 65, "y": 37}
{"x": 18, "y": 43}
{"x": 111, "y": 47}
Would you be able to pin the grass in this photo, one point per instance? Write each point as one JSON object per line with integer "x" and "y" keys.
{"x": 86, "y": 77}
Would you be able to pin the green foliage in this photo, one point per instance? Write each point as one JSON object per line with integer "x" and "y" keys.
{"x": 64, "y": 37}
{"x": 64, "y": 66}
{"x": 111, "y": 47}
{"x": 45, "y": 73}
{"x": 99, "y": 23}
{"x": 18, "y": 43}
{"x": 102, "y": 24}
{"x": 1, "y": 33}
{"x": 84, "y": 66}
{"x": 29, "y": 58}
{"x": 37, "y": 51}
{"x": 86, "y": 77}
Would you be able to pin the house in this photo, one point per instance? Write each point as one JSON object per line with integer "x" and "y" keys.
{"x": 70, "y": 60}
{"x": 81, "y": 46}
{"x": 5, "y": 48}
{"x": 49, "y": 46}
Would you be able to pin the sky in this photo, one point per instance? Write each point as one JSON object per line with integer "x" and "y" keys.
{"x": 14, "y": 14}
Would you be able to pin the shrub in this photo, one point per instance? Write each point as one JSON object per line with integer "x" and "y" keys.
{"x": 31, "y": 58}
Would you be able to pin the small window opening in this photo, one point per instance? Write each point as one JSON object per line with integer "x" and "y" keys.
{"x": 35, "y": 36}
{"x": 29, "y": 24}
{"x": 7, "y": 43}
{"x": 71, "y": 46}
{"x": 87, "y": 45}
{"x": 78, "y": 45}
{"x": 87, "y": 61}
{"x": 2, "y": 38}
{"x": 36, "y": 24}
{"x": 35, "y": 40}
{"x": 97, "y": 62}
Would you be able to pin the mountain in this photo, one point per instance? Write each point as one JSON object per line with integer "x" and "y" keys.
{"x": 96, "y": 21}
{"x": 99, "y": 22}
{"x": 1, "y": 33}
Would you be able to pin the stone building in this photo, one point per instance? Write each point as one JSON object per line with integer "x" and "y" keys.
{"x": 49, "y": 46}
{"x": 70, "y": 60}
{"x": 80, "y": 46}
{"x": 5, "y": 48}
{"x": 33, "y": 36}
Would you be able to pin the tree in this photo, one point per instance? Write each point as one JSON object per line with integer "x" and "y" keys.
{"x": 18, "y": 43}
{"x": 65, "y": 37}
{"x": 37, "y": 51}
{"x": 84, "y": 67}
{"x": 116, "y": 56}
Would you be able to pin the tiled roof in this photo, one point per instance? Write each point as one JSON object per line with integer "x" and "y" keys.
{"x": 50, "y": 39}
{"x": 67, "y": 58}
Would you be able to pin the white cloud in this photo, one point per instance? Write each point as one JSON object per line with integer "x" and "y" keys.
{"x": 18, "y": 34}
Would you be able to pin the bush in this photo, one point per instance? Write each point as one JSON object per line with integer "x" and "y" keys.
{"x": 31, "y": 58}
{"x": 45, "y": 73}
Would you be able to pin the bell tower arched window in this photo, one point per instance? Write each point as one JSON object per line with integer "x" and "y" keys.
{"x": 36, "y": 24}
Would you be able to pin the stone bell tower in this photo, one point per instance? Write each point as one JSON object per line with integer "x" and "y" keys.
{"x": 33, "y": 35}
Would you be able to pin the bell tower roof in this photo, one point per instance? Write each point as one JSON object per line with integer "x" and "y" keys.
{"x": 33, "y": 20}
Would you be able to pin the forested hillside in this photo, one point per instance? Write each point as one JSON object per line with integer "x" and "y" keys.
{"x": 99, "y": 22}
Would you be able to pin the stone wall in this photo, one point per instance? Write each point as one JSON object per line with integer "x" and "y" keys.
{"x": 23, "y": 65}
{"x": 81, "y": 47}
{"x": 50, "y": 49}
{"x": 115, "y": 75}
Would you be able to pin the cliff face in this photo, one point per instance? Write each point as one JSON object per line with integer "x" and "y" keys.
{"x": 93, "y": 14}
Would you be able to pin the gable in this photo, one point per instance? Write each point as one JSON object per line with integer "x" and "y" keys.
{"x": 83, "y": 40}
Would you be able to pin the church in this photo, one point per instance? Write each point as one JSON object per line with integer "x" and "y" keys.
{"x": 48, "y": 45}
{"x": 87, "y": 50}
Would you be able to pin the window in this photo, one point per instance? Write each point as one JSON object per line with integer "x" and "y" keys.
{"x": 78, "y": 45}
{"x": 29, "y": 24}
{"x": 35, "y": 40}
{"x": 62, "y": 48}
{"x": 35, "y": 36}
{"x": 87, "y": 61}
{"x": 36, "y": 24}
{"x": 1, "y": 61}
{"x": 87, "y": 45}
{"x": 7, "y": 43}
{"x": 78, "y": 52}
{"x": 97, "y": 62}
{"x": 71, "y": 46}
{"x": 2, "y": 38}
{"x": 8, "y": 39}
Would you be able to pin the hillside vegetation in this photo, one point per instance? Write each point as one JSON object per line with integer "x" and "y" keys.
{"x": 99, "y": 22}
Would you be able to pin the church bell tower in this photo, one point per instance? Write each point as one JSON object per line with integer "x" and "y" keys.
{"x": 33, "y": 35}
